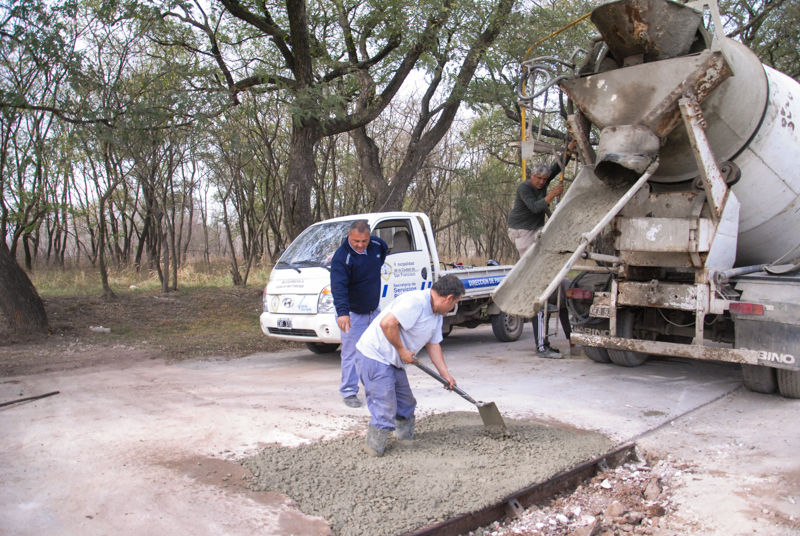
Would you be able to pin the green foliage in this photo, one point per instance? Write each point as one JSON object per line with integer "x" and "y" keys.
{"x": 147, "y": 93}
{"x": 769, "y": 28}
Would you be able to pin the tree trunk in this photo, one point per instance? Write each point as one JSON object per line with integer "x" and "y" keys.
{"x": 165, "y": 270}
{"x": 203, "y": 217}
{"x": 175, "y": 257}
{"x": 369, "y": 161}
{"x": 300, "y": 177}
{"x": 252, "y": 255}
{"x": 26, "y": 247}
{"x": 107, "y": 292}
{"x": 188, "y": 230}
{"x": 19, "y": 301}
{"x": 137, "y": 263}
{"x": 235, "y": 274}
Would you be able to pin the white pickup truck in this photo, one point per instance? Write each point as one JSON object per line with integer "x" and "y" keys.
{"x": 298, "y": 304}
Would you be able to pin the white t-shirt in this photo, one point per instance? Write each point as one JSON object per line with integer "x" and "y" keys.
{"x": 419, "y": 325}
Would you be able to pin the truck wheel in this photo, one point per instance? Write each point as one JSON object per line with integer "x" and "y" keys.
{"x": 599, "y": 355}
{"x": 759, "y": 379}
{"x": 446, "y": 330}
{"x": 789, "y": 383}
{"x": 322, "y": 347}
{"x": 507, "y": 328}
{"x": 625, "y": 319}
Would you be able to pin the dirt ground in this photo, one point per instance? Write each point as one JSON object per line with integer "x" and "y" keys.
{"x": 196, "y": 322}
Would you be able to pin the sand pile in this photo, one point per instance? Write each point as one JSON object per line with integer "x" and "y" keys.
{"x": 452, "y": 467}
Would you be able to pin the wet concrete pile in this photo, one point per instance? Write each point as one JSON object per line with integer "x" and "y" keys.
{"x": 452, "y": 467}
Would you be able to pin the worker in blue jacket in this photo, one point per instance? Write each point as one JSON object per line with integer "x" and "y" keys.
{"x": 356, "y": 289}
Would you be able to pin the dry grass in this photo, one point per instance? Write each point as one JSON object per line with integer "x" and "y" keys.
{"x": 85, "y": 281}
{"x": 208, "y": 316}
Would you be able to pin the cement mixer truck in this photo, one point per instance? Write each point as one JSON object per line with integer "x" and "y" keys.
{"x": 691, "y": 171}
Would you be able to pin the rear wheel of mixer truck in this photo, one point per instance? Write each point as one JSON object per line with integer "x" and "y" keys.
{"x": 598, "y": 355}
{"x": 579, "y": 305}
{"x": 625, "y": 321}
{"x": 507, "y": 328}
{"x": 789, "y": 383}
{"x": 760, "y": 379}
{"x": 596, "y": 327}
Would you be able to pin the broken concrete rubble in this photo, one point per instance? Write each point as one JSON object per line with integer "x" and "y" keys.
{"x": 597, "y": 510}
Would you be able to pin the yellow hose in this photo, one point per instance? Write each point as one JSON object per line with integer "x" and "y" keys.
{"x": 570, "y": 25}
{"x": 536, "y": 44}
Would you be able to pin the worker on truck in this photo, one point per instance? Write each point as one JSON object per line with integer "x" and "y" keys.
{"x": 356, "y": 289}
{"x": 525, "y": 222}
{"x": 410, "y": 322}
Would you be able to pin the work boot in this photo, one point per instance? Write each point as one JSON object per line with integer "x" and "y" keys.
{"x": 405, "y": 428}
{"x": 549, "y": 353}
{"x": 352, "y": 401}
{"x": 375, "y": 442}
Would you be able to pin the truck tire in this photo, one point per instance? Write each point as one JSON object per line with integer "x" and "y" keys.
{"x": 625, "y": 319}
{"x": 507, "y": 328}
{"x": 789, "y": 383}
{"x": 586, "y": 325}
{"x": 446, "y": 330}
{"x": 598, "y": 355}
{"x": 322, "y": 347}
{"x": 759, "y": 379}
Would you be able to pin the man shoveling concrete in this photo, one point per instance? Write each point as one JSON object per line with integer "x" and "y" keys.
{"x": 390, "y": 342}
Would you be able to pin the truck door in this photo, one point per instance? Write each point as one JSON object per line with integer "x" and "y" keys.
{"x": 407, "y": 265}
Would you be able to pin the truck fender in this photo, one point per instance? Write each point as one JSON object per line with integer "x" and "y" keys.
{"x": 493, "y": 309}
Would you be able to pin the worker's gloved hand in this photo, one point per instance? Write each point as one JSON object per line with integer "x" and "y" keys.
{"x": 344, "y": 323}
{"x": 406, "y": 355}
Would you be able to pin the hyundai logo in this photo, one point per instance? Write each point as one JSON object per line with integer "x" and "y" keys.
{"x": 287, "y": 302}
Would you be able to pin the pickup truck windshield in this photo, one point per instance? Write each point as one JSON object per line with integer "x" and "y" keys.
{"x": 315, "y": 246}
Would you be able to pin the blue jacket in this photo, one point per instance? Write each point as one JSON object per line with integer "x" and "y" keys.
{"x": 356, "y": 279}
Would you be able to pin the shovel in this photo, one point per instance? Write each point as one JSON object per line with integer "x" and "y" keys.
{"x": 490, "y": 415}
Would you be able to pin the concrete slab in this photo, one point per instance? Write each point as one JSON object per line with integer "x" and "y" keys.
{"x": 148, "y": 449}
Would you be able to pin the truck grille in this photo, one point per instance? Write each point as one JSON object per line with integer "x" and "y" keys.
{"x": 293, "y": 332}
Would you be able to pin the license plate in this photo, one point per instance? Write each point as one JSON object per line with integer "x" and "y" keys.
{"x": 285, "y": 323}
{"x": 600, "y": 311}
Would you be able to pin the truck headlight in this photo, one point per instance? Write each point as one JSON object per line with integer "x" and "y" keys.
{"x": 264, "y": 301}
{"x": 325, "y": 303}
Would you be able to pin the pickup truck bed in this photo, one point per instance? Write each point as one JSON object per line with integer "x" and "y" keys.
{"x": 479, "y": 282}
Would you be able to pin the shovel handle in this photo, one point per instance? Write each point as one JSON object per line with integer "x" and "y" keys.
{"x": 444, "y": 382}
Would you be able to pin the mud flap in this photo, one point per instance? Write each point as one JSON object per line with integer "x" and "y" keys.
{"x": 586, "y": 205}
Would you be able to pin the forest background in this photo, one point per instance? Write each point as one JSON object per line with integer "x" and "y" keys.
{"x": 156, "y": 137}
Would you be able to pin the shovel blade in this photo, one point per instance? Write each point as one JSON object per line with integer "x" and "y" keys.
{"x": 491, "y": 416}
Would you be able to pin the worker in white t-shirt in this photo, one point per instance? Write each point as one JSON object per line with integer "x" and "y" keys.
{"x": 390, "y": 342}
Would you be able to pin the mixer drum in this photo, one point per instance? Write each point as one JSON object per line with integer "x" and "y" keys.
{"x": 769, "y": 190}
{"x": 753, "y": 121}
